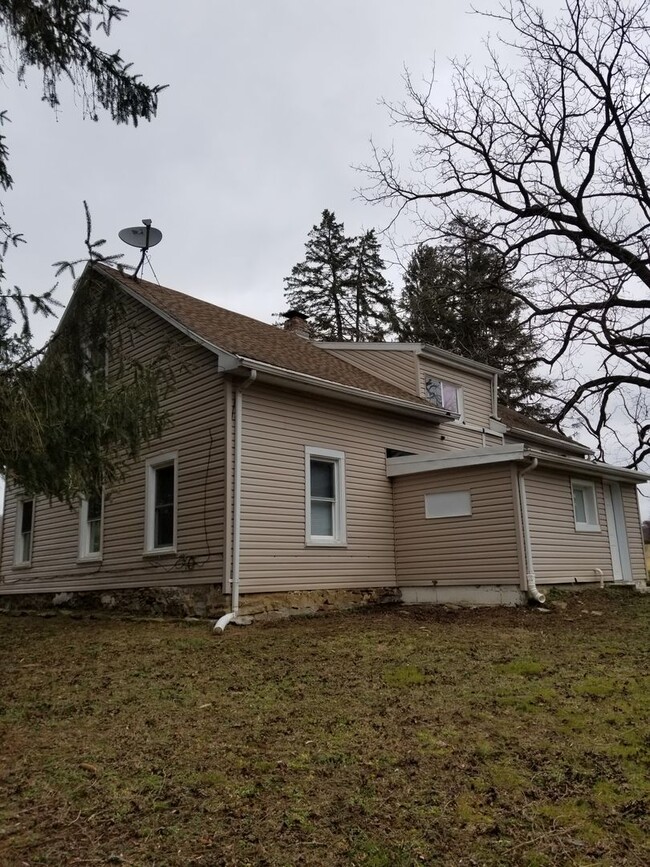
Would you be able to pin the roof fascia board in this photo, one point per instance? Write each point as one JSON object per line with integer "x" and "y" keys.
{"x": 477, "y": 457}
{"x": 520, "y": 433}
{"x": 377, "y": 347}
{"x": 424, "y": 349}
{"x": 453, "y": 360}
{"x": 282, "y": 376}
{"x": 426, "y": 463}
{"x": 227, "y": 361}
{"x": 590, "y": 468}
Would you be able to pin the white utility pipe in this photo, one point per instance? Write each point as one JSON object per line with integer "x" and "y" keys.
{"x": 531, "y": 586}
{"x": 601, "y": 577}
{"x": 222, "y": 622}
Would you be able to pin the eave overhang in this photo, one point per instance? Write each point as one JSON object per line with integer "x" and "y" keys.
{"x": 303, "y": 382}
{"x": 551, "y": 442}
{"x": 427, "y": 463}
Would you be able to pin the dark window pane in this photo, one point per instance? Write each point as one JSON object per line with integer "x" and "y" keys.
{"x": 434, "y": 391}
{"x": 322, "y": 479}
{"x": 27, "y": 547}
{"x": 94, "y": 537}
{"x": 322, "y": 518}
{"x": 94, "y": 509}
{"x": 164, "y": 528}
{"x": 27, "y": 516}
{"x": 165, "y": 486}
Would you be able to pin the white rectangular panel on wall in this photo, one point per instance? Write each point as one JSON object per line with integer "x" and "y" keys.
{"x": 452, "y": 504}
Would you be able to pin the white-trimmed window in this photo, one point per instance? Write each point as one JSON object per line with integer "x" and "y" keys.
{"x": 161, "y": 497}
{"x": 585, "y": 506}
{"x": 91, "y": 526}
{"x": 324, "y": 497}
{"x": 444, "y": 395}
{"x": 24, "y": 532}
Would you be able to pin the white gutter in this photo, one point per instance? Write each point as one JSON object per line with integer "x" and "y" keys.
{"x": 306, "y": 382}
{"x": 531, "y": 587}
{"x": 222, "y": 622}
{"x": 553, "y": 442}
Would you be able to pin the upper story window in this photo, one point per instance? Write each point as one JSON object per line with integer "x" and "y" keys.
{"x": 324, "y": 497}
{"x": 585, "y": 506}
{"x": 91, "y": 526}
{"x": 24, "y": 532}
{"x": 443, "y": 394}
{"x": 161, "y": 504}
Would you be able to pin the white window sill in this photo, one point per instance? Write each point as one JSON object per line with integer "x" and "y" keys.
{"x": 587, "y": 528}
{"x": 90, "y": 558}
{"x": 25, "y": 565}
{"x": 159, "y": 552}
{"x": 325, "y": 543}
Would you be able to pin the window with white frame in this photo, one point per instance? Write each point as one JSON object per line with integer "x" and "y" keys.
{"x": 24, "y": 532}
{"x": 324, "y": 497}
{"x": 90, "y": 527}
{"x": 161, "y": 504}
{"x": 444, "y": 395}
{"x": 585, "y": 506}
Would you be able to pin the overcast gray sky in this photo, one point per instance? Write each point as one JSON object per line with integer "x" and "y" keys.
{"x": 270, "y": 105}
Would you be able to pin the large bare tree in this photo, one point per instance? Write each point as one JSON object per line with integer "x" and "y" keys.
{"x": 551, "y": 144}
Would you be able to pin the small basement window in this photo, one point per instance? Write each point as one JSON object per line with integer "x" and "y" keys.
{"x": 25, "y": 533}
{"x": 161, "y": 504}
{"x": 444, "y": 395}
{"x": 324, "y": 497}
{"x": 585, "y": 506}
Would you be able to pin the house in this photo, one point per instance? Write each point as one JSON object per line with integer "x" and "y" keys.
{"x": 302, "y": 474}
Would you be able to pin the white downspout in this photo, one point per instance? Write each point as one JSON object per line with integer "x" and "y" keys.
{"x": 531, "y": 587}
{"x": 222, "y": 622}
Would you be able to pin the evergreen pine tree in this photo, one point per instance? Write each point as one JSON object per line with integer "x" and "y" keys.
{"x": 319, "y": 286}
{"x": 339, "y": 285}
{"x": 371, "y": 299}
{"x": 458, "y": 296}
{"x": 62, "y": 431}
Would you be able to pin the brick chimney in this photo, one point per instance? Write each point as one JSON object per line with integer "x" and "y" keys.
{"x": 298, "y": 323}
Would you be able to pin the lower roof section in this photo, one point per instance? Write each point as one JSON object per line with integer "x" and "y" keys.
{"x": 514, "y": 452}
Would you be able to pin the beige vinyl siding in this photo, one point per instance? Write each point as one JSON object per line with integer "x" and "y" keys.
{"x": 477, "y": 390}
{"x": 399, "y": 367}
{"x": 477, "y": 549}
{"x": 403, "y": 368}
{"x": 196, "y": 433}
{"x": 277, "y": 425}
{"x": 560, "y": 552}
{"x": 634, "y": 533}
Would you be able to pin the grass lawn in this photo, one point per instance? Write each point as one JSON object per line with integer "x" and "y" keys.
{"x": 394, "y": 737}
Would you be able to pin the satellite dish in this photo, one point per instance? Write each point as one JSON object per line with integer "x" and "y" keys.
{"x": 144, "y": 236}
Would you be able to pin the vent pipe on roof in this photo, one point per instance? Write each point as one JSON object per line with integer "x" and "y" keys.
{"x": 298, "y": 323}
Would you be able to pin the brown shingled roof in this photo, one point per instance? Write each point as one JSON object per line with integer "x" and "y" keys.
{"x": 249, "y": 338}
{"x": 513, "y": 419}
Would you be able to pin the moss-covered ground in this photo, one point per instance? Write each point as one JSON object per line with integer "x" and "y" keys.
{"x": 387, "y": 738}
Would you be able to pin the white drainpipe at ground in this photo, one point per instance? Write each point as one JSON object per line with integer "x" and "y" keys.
{"x": 222, "y": 622}
{"x": 531, "y": 587}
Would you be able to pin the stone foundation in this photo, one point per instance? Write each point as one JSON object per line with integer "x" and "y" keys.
{"x": 274, "y": 606}
{"x": 196, "y": 600}
{"x": 204, "y": 601}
